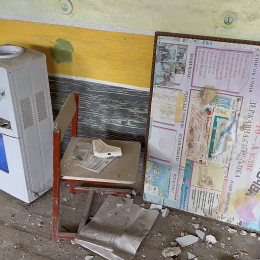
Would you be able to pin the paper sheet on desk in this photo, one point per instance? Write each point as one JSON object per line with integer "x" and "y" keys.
{"x": 90, "y": 161}
{"x": 94, "y": 163}
{"x": 117, "y": 232}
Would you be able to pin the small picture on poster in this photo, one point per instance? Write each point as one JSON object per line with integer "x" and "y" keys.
{"x": 157, "y": 179}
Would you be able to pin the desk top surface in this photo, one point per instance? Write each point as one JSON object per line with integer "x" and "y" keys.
{"x": 121, "y": 170}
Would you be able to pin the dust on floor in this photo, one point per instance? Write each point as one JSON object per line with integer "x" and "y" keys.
{"x": 26, "y": 232}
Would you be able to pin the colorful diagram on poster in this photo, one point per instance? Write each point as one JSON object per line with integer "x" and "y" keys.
{"x": 157, "y": 179}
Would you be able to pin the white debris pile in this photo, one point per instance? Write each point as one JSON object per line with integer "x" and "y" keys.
{"x": 200, "y": 234}
{"x": 243, "y": 233}
{"x": 196, "y": 226}
{"x": 88, "y": 257}
{"x": 65, "y": 199}
{"x": 128, "y": 196}
{"x": 239, "y": 254}
{"x": 186, "y": 240}
{"x": 191, "y": 256}
{"x": 156, "y": 206}
{"x": 120, "y": 203}
{"x": 171, "y": 251}
{"x": 174, "y": 244}
{"x": 211, "y": 239}
{"x": 134, "y": 193}
{"x": 165, "y": 212}
{"x": 232, "y": 231}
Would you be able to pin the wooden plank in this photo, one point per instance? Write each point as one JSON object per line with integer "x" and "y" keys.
{"x": 86, "y": 211}
{"x": 123, "y": 58}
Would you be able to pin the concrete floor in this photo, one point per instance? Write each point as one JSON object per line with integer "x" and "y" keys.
{"x": 26, "y": 232}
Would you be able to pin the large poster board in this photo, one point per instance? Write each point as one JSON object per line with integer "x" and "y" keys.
{"x": 203, "y": 140}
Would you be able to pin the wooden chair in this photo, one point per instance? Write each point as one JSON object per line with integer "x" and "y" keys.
{"x": 121, "y": 170}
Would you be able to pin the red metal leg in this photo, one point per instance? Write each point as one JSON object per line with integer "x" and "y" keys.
{"x": 66, "y": 236}
{"x": 74, "y": 125}
{"x": 72, "y": 187}
{"x": 56, "y": 184}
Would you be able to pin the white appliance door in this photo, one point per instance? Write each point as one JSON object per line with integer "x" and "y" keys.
{"x": 12, "y": 174}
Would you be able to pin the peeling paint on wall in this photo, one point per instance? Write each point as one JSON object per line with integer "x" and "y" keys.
{"x": 61, "y": 51}
{"x": 144, "y": 17}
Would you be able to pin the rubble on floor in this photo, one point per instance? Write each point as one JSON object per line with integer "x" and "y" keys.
{"x": 171, "y": 251}
{"x": 211, "y": 239}
{"x": 191, "y": 256}
{"x": 186, "y": 240}
{"x": 156, "y": 206}
{"x": 196, "y": 226}
{"x": 165, "y": 212}
{"x": 200, "y": 234}
{"x": 20, "y": 237}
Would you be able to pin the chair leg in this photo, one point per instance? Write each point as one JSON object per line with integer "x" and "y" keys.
{"x": 55, "y": 213}
{"x": 72, "y": 187}
{"x": 56, "y": 184}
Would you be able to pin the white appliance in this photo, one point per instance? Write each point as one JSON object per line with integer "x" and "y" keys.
{"x": 26, "y": 123}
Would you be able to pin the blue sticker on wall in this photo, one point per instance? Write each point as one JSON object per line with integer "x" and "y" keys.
{"x": 3, "y": 160}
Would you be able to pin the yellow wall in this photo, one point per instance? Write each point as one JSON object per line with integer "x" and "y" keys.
{"x": 121, "y": 49}
{"x": 110, "y": 56}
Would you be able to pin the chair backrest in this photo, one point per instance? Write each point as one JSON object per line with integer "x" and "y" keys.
{"x": 66, "y": 114}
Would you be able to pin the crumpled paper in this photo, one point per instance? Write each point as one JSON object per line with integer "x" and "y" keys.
{"x": 117, "y": 229}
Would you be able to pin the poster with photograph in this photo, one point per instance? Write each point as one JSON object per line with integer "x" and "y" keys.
{"x": 204, "y": 133}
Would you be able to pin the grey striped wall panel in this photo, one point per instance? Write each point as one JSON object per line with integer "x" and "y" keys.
{"x": 105, "y": 111}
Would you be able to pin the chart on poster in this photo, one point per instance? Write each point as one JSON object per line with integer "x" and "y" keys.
{"x": 202, "y": 153}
